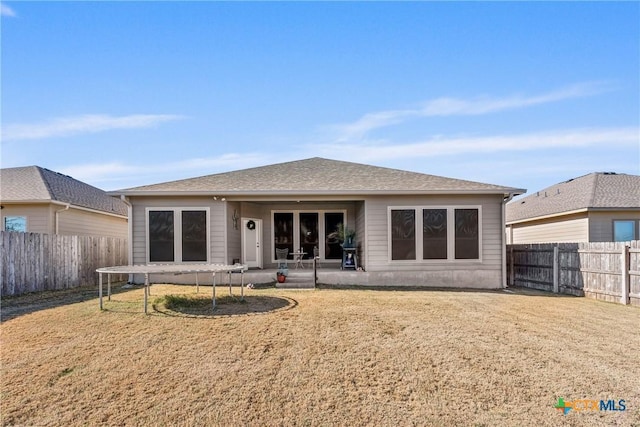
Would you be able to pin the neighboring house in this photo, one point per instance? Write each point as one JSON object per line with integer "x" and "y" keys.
{"x": 411, "y": 228}
{"x": 38, "y": 200}
{"x": 598, "y": 207}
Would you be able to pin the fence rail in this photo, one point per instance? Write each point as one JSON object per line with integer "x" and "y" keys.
{"x": 607, "y": 271}
{"x": 31, "y": 262}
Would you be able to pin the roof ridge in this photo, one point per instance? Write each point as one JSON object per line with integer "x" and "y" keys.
{"x": 592, "y": 200}
{"x": 45, "y": 182}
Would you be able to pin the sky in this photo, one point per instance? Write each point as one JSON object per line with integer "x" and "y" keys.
{"x": 121, "y": 94}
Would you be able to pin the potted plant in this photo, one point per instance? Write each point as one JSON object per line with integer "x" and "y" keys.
{"x": 347, "y": 236}
{"x": 281, "y": 277}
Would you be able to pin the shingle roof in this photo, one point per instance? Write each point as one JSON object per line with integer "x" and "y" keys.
{"x": 33, "y": 183}
{"x": 317, "y": 176}
{"x": 598, "y": 190}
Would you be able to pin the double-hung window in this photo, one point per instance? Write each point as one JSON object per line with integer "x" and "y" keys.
{"x": 178, "y": 234}
{"x": 421, "y": 233}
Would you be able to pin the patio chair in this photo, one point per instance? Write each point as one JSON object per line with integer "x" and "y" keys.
{"x": 281, "y": 256}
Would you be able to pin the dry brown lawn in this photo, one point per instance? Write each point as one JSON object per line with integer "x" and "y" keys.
{"x": 317, "y": 358}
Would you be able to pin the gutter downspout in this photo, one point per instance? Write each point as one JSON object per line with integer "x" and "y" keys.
{"x": 129, "y": 232}
{"x": 504, "y": 238}
{"x": 66, "y": 208}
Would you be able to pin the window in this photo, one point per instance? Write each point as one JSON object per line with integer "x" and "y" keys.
{"x": 448, "y": 233}
{"x": 283, "y": 231}
{"x": 403, "y": 234}
{"x": 191, "y": 227}
{"x": 194, "y": 236}
{"x": 624, "y": 231}
{"x": 434, "y": 234}
{"x": 161, "y": 245}
{"x": 332, "y": 223}
{"x": 15, "y": 223}
{"x": 467, "y": 234}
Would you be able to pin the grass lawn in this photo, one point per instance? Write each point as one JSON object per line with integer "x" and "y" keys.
{"x": 323, "y": 357}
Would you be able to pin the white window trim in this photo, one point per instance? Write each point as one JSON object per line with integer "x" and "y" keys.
{"x": 296, "y": 227}
{"x": 451, "y": 235}
{"x": 26, "y": 222}
{"x": 177, "y": 233}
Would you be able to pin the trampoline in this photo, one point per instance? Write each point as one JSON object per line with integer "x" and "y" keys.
{"x": 213, "y": 269}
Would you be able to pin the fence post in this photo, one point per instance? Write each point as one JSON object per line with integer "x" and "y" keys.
{"x": 556, "y": 269}
{"x": 624, "y": 278}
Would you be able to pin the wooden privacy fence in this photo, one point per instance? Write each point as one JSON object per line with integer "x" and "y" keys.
{"x": 607, "y": 271}
{"x": 31, "y": 262}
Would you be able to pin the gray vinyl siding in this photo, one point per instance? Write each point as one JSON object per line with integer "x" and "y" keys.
{"x": 217, "y": 231}
{"x": 601, "y": 223}
{"x": 234, "y": 233}
{"x": 484, "y": 273}
{"x": 39, "y": 216}
{"x": 83, "y": 223}
{"x": 361, "y": 235}
{"x": 566, "y": 229}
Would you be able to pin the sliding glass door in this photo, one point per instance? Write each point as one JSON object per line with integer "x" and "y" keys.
{"x": 308, "y": 230}
{"x": 308, "y": 233}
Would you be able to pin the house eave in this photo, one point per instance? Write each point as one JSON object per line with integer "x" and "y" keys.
{"x": 541, "y": 217}
{"x": 572, "y": 212}
{"x": 312, "y": 193}
{"x": 59, "y": 203}
{"x": 27, "y": 202}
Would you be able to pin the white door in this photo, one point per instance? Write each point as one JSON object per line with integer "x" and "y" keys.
{"x": 252, "y": 242}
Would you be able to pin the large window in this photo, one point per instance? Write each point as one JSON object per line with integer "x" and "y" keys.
{"x": 283, "y": 231}
{"x": 448, "y": 233}
{"x": 467, "y": 234}
{"x": 15, "y": 223}
{"x": 161, "y": 232}
{"x": 194, "y": 236}
{"x": 308, "y": 233}
{"x": 434, "y": 234}
{"x": 403, "y": 234}
{"x": 178, "y": 235}
{"x": 624, "y": 231}
{"x": 332, "y": 223}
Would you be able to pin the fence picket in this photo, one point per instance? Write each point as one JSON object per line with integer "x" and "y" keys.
{"x": 31, "y": 262}
{"x": 592, "y": 269}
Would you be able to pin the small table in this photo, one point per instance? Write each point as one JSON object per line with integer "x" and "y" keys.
{"x": 297, "y": 257}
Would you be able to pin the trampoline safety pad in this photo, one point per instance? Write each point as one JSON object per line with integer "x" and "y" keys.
{"x": 213, "y": 269}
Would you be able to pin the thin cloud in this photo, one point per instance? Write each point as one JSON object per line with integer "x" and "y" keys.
{"x": 113, "y": 175}
{"x": 446, "y": 146}
{"x": 120, "y": 175}
{"x": 6, "y": 11}
{"x": 89, "y": 123}
{"x": 446, "y": 106}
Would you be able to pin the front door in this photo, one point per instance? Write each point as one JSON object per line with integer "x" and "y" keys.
{"x": 252, "y": 242}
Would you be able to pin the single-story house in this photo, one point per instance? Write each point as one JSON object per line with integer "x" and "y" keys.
{"x": 410, "y": 228}
{"x": 598, "y": 207}
{"x": 38, "y": 200}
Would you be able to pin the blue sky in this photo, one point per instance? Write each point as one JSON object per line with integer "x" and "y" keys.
{"x": 121, "y": 94}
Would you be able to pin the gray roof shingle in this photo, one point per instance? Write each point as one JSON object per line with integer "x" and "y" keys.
{"x": 317, "y": 176}
{"x": 33, "y": 183}
{"x": 598, "y": 190}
